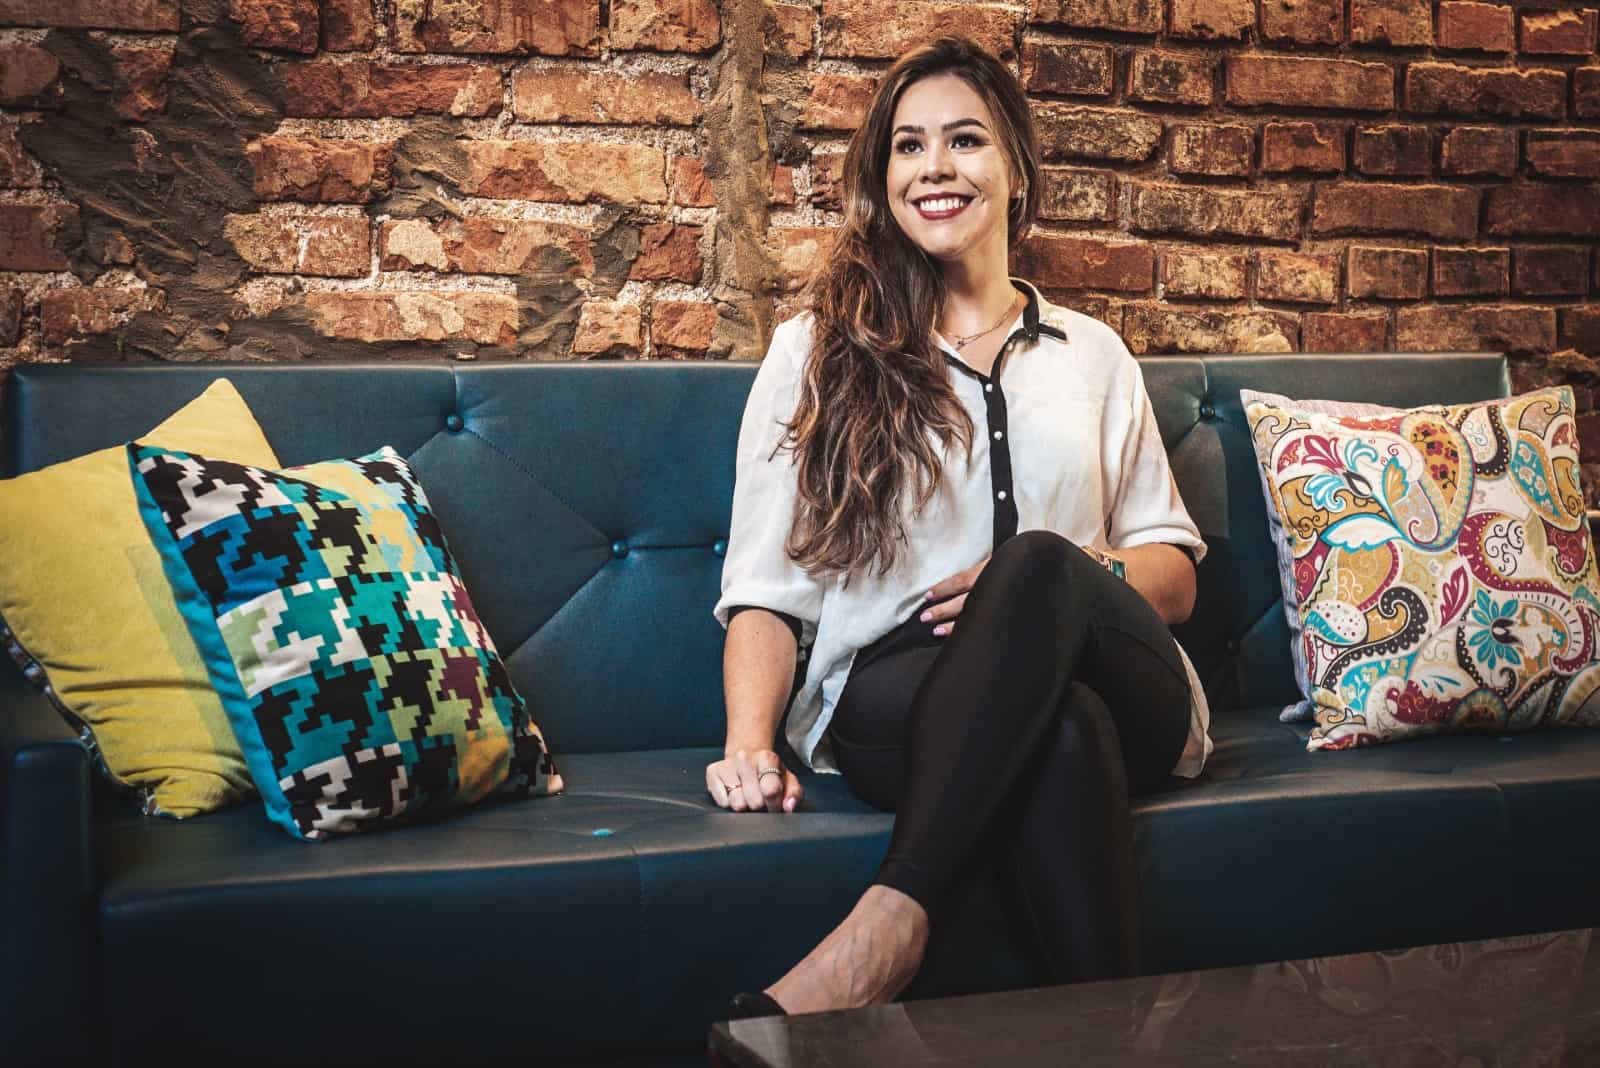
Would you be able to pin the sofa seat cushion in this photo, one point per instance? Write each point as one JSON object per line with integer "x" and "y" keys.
{"x": 1401, "y": 844}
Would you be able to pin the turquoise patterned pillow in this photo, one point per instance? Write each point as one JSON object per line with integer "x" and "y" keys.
{"x": 359, "y": 681}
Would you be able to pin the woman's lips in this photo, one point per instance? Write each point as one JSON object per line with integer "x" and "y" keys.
{"x": 948, "y": 213}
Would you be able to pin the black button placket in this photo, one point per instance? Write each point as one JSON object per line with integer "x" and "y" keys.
{"x": 1005, "y": 497}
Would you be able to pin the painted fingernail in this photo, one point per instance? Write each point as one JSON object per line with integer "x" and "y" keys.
{"x": 788, "y": 804}
{"x": 928, "y": 596}
{"x": 941, "y": 629}
{"x": 927, "y": 617}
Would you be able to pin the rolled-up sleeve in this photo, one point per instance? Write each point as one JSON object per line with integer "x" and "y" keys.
{"x": 1146, "y": 508}
{"x": 757, "y": 570}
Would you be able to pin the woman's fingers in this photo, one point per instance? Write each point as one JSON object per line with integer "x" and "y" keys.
{"x": 945, "y": 611}
{"x": 719, "y": 779}
{"x": 737, "y": 783}
{"x": 792, "y": 790}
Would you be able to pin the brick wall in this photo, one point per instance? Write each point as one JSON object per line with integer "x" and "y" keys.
{"x": 650, "y": 178}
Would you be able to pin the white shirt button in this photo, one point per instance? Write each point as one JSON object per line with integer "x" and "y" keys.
{"x": 988, "y": 387}
{"x": 1002, "y": 495}
{"x": 998, "y": 434}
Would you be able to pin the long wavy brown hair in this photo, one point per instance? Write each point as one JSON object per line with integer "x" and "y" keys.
{"x": 875, "y": 396}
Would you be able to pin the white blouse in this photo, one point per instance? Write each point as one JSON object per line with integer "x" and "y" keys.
{"x": 1064, "y": 440}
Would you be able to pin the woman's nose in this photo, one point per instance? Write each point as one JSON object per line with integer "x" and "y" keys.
{"x": 936, "y": 160}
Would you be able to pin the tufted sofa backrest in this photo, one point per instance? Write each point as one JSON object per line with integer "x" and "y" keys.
{"x": 587, "y": 503}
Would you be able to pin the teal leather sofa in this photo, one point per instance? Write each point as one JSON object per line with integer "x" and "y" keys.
{"x": 587, "y": 505}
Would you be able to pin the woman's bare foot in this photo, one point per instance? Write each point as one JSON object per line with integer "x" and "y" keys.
{"x": 867, "y": 959}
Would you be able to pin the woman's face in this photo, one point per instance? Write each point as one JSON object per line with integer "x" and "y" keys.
{"x": 948, "y": 181}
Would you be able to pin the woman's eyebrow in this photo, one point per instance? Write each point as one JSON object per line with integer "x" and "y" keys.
{"x": 946, "y": 128}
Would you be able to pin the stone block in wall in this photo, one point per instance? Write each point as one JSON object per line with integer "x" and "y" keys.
{"x": 334, "y": 246}
{"x": 415, "y": 315}
{"x": 796, "y": 251}
{"x": 1393, "y": 150}
{"x": 1218, "y": 151}
{"x": 80, "y": 311}
{"x": 1586, "y": 92}
{"x": 1475, "y": 27}
{"x": 783, "y": 189}
{"x": 1560, "y": 33}
{"x": 347, "y": 26}
{"x": 608, "y": 328}
{"x": 37, "y": 237}
{"x": 480, "y": 244}
{"x": 1504, "y": 92}
{"x": 787, "y": 28}
{"x": 564, "y": 95}
{"x": 827, "y": 172}
{"x": 360, "y": 89}
{"x": 665, "y": 25}
{"x": 1344, "y": 332}
{"x": 28, "y": 76}
{"x": 836, "y": 101}
{"x": 572, "y": 172}
{"x": 1371, "y": 207}
{"x": 1067, "y": 132}
{"x": 1210, "y": 274}
{"x": 1061, "y": 261}
{"x": 1171, "y": 78}
{"x": 1297, "y": 277}
{"x": 1471, "y": 272}
{"x": 1303, "y": 21}
{"x": 682, "y": 326}
{"x": 668, "y": 252}
{"x": 1302, "y": 146}
{"x": 1479, "y": 150}
{"x": 141, "y": 88}
{"x": 18, "y": 170}
{"x": 1128, "y": 16}
{"x": 321, "y": 170}
{"x": 287, "y": 25}
{"x": 1308, "y": 82}
{"x": 1155, "y": 328}
{"x": 1213, "y": 19}
{"x": 1475, "y": 328}
{"x": 10, "y": 316}
{"x": 1209, "y": 212}
{"x": 1386, "y": 273}
{"x": 1080, "y": 69}
{"x": 1564, "y": 153}
{"x": 690, "y": 186}
{"x": 1077, "y": 195}
{"x": 158, "y": 15}
{"x": 884, "y": 29}
{"x": 1535, "y": 210}
{"x": 1401, "y": 23}
{"x": 1550, "y": 271}
{"x": 1580, "y": 328}
{"x": 497, "y": 27}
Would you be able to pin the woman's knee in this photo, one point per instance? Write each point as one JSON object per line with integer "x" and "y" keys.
{"x": 1033, "y": 560}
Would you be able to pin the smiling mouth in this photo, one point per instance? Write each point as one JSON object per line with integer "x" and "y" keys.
{"x": 943, "y": 206}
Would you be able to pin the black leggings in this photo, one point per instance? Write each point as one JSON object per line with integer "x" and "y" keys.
{"x": 1017, "y": 740}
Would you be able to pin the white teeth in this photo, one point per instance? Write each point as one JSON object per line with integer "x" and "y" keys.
{"x": 941, "y": 204}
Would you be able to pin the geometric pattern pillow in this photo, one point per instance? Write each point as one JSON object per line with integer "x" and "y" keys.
{"x": 359, "y": 681}
{"x": 1443, "y": 573}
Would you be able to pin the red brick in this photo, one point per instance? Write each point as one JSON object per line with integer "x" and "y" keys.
{"x": 1564, "y": 153}
{"x": 1433, "y": 210}
{"x": 1471, "y": 272}
{"x": 68, "y": 313}
{"x": 1304, "y": 82}
{"x": 668, "y": 252}
{"x": 1405, "y": 150}
{"x": 359, "y": 89}
{"x": 498, "y": 27}
{"x": 320, "y": 170}
{"x": 1161, "y": 328}
{"x": 1298, "y": 277}
{"x": 687, "y": 325}
{"x": 783, "y": 191}
{"x": 1077, "y": 196}
{"x": 141, "y": 82}
{"x": 1580, "y": 329}
{"x": 335, "y": 246}
{"x": 796, "y": 251}
{"x": 91, "y": 14}
{"x": 786, "y": 28}
{"x": 1403, "y": 23}
{"x": 1171, "y": 78}
{"x": 1206, "y": 273}
{"x": 1475, "y": 327}
{"x": 609, "y": 328}
{"x": 827, "y": 171}
{"x": 18, "y": 170}
{"x": 1082, "y": 69}
{"x": 1550, "y": 271}
{"x": 1447, "y": 89}
{"x": 28, "y": 76}
{"x": 1479, "y": 150}
{"x": 1387, "y": 273}
{"x": 1586, "y": 92}
{"x": 1067, "y": 132}
{"x": 36, "y": 237}
{"x": 1212, "y": 212}
{"x": 347, "y": 26}
{"x": 690, "y": 187}
{"x": 566, "y": 95}
{"x": 415, "y": 315}
{"x": 10, "y": 317}
{"x": 1473, "y": 27}
{"x": 1535, "y": 210}
{"x": 1301, "y": 146}
{"x": 1213, "y": 19}
{"x": 1129, "y": 16}
{"x": 884, "y": 29}
{"x": 836, "y": 101}
{"x": 1213, "y": 150}
{"x": 1303, "y": 21}
{"x": 566, "y": 172}
{"x": 484, "y": 245}
{"x": 1332, "y": 332}
{"x": 1064, "y": 262}
{"x": 1563, "y": 33}
{"x": 665, "y": 25}
{"x": 287, "y": 25}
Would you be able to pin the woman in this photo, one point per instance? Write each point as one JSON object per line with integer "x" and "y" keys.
{"x": 995, "y": 689}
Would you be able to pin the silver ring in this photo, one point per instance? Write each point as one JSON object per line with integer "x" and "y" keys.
{"x": 768, "y": 771}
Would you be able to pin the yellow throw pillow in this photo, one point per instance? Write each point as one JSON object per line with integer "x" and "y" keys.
{"x": 84, "y": 596}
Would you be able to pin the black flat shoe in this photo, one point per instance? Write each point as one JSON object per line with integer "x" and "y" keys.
{"x": 749, "y": 1006}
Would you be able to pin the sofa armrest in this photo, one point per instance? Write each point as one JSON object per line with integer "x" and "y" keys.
{"x": 47, "y": 877}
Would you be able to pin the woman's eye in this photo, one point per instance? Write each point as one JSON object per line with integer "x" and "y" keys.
{"x": 905, "y": 146}
{"x": 971, "y": 140}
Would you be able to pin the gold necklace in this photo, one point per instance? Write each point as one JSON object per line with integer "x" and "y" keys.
{"x": 963, "y": 342}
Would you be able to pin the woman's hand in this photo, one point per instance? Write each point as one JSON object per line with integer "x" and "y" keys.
{"x": 948, "y": 596}
{"x": 752, "y": 780}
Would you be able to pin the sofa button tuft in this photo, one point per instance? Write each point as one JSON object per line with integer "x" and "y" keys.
{"x": 719, "y": 547}
{"x": 453, "y": 423}
{"x": 1207, "y": 412}
{"x": 1233, "y": 646}
{"x": 619, "y": 548}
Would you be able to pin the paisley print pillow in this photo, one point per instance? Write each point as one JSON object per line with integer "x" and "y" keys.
{"x": 1438, "y": 562}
